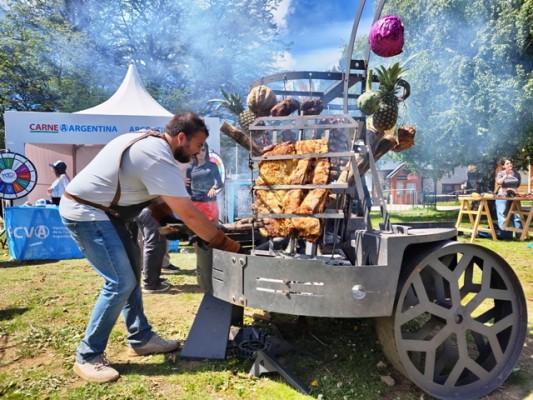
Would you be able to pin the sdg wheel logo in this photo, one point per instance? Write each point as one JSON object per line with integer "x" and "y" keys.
{"x": 17, "y": 176}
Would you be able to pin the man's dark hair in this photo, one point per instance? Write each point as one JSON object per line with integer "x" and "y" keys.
{"x": 187, "y": 123}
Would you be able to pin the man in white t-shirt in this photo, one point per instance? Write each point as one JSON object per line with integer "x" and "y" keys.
{"x": 98, "y": 208}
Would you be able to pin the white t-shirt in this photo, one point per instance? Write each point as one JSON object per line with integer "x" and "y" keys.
{"x": 59, "y": 185}
{"x": 148, "y": 170}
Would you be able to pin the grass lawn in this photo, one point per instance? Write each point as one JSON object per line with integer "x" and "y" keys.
{"x": 44, "y": 307}
{"x": 417, "y": 214}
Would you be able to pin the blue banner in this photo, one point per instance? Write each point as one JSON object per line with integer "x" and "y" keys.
{"x": 37, "y": 233}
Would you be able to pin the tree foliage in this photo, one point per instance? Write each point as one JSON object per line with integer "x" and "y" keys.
{"x": 184, "y": 50}
{"x": 68, "y": 55}
{"x": 472, "y": 81}
{"x": 45, "y": 65}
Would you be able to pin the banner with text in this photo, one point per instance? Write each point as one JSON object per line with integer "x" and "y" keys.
{"x": 37, "y": 233}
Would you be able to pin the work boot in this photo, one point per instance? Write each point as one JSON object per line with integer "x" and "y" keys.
{"x": 156, "y": 344}
{"x": 96, "y": 370}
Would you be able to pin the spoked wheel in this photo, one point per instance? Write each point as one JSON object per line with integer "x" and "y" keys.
{"x": 459, "y": 323}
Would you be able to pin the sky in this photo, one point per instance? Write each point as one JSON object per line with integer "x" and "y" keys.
{"x": 318, "y": 30}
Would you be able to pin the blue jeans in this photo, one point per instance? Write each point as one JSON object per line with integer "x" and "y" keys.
{"x": 502, "y": 209}
{"x": 100, "y": 242}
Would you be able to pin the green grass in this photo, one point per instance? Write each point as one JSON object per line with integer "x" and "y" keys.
{"x": 417, "y": 214}
{"x": 44, "y": 307}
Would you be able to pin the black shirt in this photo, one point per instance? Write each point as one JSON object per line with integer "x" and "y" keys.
{"x": 203, "y": 178}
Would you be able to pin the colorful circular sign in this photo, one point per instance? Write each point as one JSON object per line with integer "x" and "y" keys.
{"x": 215, "y": 158}
{"x": 18, "y": 176}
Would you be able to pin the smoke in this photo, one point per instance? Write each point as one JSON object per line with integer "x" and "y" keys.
{"x": 466, "y": 85}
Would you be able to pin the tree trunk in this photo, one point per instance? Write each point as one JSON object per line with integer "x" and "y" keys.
{"x": 241, "y": 138}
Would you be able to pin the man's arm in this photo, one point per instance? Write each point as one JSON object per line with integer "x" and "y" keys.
{"x": 192, "y": 217}
{"x": 195, "y": 221}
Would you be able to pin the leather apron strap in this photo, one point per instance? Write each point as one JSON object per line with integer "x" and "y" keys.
{"x": 113, "y": 209}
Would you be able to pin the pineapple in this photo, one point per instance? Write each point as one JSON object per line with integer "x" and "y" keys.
{"x": 231, "y": 102}
{"x": 368, "y": 102}
{"x": 385, "y": 117}
{"x": 246, "y": 118}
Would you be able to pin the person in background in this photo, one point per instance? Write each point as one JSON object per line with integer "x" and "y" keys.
{"x": 203, "y": 180}
{"x": 168, "y": 267}
{"x": 99, "y": 207}
{"x": 58, "y": 186}
{"x": 154, "y": 253}
{"x": 508, "y": 180}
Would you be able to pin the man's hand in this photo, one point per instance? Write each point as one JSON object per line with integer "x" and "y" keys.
{"x": 199, "y": 242}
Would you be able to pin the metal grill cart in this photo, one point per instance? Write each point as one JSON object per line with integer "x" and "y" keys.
{"x": 450, "y": 316}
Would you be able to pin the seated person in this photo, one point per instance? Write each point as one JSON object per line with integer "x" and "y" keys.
{"x": 508, "y": 180}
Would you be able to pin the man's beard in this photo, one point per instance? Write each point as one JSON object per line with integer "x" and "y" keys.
{"x": 181, "y": 156}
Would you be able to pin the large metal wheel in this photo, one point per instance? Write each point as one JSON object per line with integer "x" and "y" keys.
{"x": 459, "y": 323}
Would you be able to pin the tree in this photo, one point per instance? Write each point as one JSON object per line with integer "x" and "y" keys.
{"x": 41, "y": 63}
{"x": 68, "y": 55}
{"x": 472, "y": 82}
{"x": 185, "y": 51}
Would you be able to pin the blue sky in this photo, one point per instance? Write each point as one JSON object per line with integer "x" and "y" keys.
{"x": 318, "y": 30}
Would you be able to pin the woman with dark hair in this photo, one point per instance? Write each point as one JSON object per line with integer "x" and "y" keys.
{"x": 58, "y": 186}
{"x": 203, "y": 180}
{"x": 508, "y": 180}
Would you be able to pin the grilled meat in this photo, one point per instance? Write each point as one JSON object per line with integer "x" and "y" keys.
{"x": 276, "y": 172}
{"x": 285, "y": 107}
{"x": 308, "y": 228}
{"x": 314, "y": 202}
{"x": 295, "y": 201}
{"x": 311, "y": 107}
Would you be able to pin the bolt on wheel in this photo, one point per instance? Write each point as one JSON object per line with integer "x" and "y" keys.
{"x": 459, "y": 323}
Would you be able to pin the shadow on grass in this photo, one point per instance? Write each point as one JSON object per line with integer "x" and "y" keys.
{"x": 25, "y": 263}
{"x": 10, "y": 313}
{"x": 185, "y": 272}
{"x": 178, "y": 289}
{"x": 173, "y": 365}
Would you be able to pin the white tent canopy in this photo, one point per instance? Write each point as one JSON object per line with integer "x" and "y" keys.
{"x": 44, "y": 137}
{"x": 131, "y": 98}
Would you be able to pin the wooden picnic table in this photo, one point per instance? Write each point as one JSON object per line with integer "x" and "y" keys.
{"x": 525, "y": 214}
{"x": 475, "y": 216}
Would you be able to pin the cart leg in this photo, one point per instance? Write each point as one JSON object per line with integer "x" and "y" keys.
{"x": 208, "y": 338}
{"x": 266, "y": 363}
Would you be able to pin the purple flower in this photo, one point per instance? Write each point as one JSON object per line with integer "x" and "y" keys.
{"x": 386, "y": 36}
